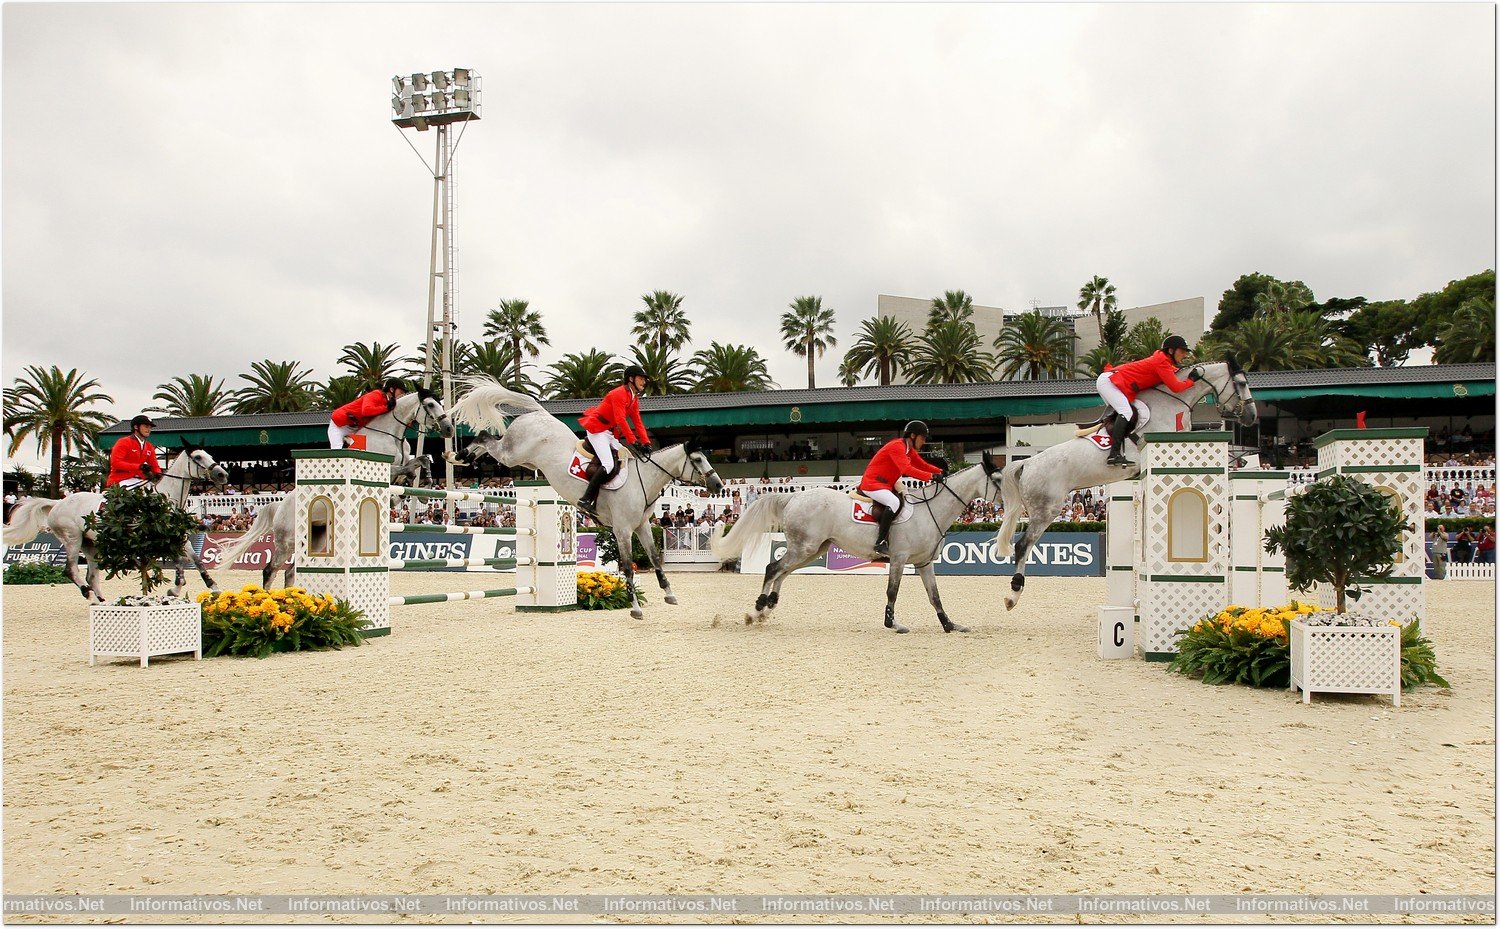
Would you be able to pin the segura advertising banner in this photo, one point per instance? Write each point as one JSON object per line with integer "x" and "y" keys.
{"x": 404, "y": 546}
{"x": 1058, "y": 554}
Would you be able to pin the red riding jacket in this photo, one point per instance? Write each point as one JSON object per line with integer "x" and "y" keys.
{"x": 891, "y": 463}
{"x": 126, "y": 458}
{"x": 358, "y": 413}
{"x": 1136, "y": 376}
{"x": 619, "y": 408}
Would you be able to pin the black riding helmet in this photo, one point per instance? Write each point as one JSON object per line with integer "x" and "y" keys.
{"x": 915, "y": 427}
{"x": 634, "y": 371}
{"x": 142, "y": 420}
{"x": 394, "y": 383}
{"x": 1173, "y": 341}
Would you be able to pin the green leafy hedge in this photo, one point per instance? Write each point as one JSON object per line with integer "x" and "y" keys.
{"x": 35, "y": 572}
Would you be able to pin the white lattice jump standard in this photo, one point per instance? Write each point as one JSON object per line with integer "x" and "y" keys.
{"x": 343, "y": 538}
{"x": 1187, "y": 537}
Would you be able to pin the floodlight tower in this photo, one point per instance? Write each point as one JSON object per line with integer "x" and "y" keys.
{"x": 438, "y": 99}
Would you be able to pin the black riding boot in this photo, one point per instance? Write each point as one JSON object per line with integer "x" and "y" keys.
{"x": 1119, "y": 430}
{"x": 590, "y": 496}
{"x": 883, "y": 535}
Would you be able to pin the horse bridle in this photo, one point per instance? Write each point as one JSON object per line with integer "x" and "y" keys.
{"x": 187, "y": 479}
{"x": 687, "y": 459}
{"x": 400, "y": 437}
{"x": 1229, "y": 387}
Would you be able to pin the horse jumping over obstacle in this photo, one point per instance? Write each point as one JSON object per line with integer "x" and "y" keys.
{"x": 538, "y": 440}
{"x": 65, "y": 519}
{"x": 816, "y": 518}
{"x": 1039, "y": 485}
{"x": 385, "y": 435}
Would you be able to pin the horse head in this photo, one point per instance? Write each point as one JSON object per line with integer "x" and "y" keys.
{"x": 201, "y": 465}
{"x": 1243, "y": 407}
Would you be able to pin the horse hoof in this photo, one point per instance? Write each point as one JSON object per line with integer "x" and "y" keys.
{"x": 637, "y": 614}
{"x": 671, "y": 598}
{"x": 1010, "y": 603}
{"x": 957, "y": 628}
{"x": 749, "y": 619}
{"x": 900, "y": 629}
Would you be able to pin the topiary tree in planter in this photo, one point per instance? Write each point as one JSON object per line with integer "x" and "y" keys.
{"x": 1336, "y": 531}
{"x": 135, "y": 531}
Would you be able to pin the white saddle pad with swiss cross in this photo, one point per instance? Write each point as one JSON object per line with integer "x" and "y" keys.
{"x": 579, "y": 468}
{"x": 863, "y": 511}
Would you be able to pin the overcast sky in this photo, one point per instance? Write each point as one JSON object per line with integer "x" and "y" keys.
{"x": 191, "y": 188}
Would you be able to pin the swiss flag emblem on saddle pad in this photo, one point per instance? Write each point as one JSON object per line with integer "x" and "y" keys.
{"x": 356, "y": 441}
{"x": 863, "y": 512}
{"x": 1101, "y": 439}
{"x": 579, "y": 468}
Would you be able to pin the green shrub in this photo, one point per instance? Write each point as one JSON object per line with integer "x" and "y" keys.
{"x": 136, "y": 531}
{"x": 1337, "y": 531}
{"x": 253, "y": 621}
{"x": 35, "y": 572}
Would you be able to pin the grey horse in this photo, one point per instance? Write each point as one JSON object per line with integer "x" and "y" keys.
{"x": 1039, "y": 485}
{"x": 385, "y": 435}
{"x": 819, "y": 517}
{"x": 65, "y": 519}
{"x": 538, "y": 440}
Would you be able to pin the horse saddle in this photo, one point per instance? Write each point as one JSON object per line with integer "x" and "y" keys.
{"x": 1098, "y": 430}
{"x": 585, "y": 465}
{"x": 864, "y": 510}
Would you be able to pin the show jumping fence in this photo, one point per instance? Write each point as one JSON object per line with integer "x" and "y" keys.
{"x": 343, "y": 501}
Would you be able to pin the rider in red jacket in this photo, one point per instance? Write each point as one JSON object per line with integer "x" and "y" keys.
{"x": 132, "y": 460}
{"x": 356, "y": 414}
{"x": 608, "y": 425}
{"x": 896, "y": 459}
{"x": 1120, "y": 386}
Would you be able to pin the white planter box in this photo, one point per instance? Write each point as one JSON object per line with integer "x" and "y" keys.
{"x": 1346, "y": 659}
{"x": 144, "y": 631}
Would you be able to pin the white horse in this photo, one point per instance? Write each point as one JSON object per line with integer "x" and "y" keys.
{"x": 538, "y": 440}
{"x": 65, "y": 519}
{"x": 1039, "y": 484}
{"x": 816, "y": 518}
{"x": 385, "y": 435}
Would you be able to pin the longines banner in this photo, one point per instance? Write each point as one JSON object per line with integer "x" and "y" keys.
{"x": 1058, "y": 554}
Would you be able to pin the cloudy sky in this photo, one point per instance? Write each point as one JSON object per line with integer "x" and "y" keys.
{"x": 193, "y": 187}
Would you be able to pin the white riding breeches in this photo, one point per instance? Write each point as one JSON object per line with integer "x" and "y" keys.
{"x": 888, "y": 497}
{"x": 131, "y": 482}
{"x": 1118, "y": 402}
{"x": 337, "y": 434}
{"x": 604, "y": 445}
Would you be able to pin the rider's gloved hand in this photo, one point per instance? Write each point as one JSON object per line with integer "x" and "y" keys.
{"x": 1195, "y": 375}
{"x": 939, "y": 477}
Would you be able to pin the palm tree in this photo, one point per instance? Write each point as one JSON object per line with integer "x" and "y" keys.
{"x": 1299, "y": 340}
{"x": 1034, "y": 345}
{"x": 371, "y": 364}
{"x": 950, "y": 353}
{"x": 1144, "y": 339}
{"x": 276, "y": 387}
{"x": 494, "y": 359}
{"x": 728, "y": 368}
{"x": 88, "y": 470}
{"x": 49, "y": 406}
{"x": 1281, "y": 297}
{"x": 1097, "y": 297}
{"x": 582, "y": 376}
{"x": 952, "y": 305}
{"x": 194, "y": 395}
{"x": 520, "y": 326}
{"x": 667, "y": 372}
{"x": 663, "y": 322}
{"x": 1470, "y": 337}
{"x": 806, "y": 328}
{"x": 883, "y": 348}
{"x": 339, "y": 390}
{"x": 1110, "y": 351}
{"x": 461, "y": 362}
{"x": 848, "y": 372}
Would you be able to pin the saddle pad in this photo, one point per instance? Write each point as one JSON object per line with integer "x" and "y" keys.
{"x": 357, "y": 441}
{"x": 862, "y": 510}
{"x": 1100, "y": 438}
{"x": 579, "y": 468}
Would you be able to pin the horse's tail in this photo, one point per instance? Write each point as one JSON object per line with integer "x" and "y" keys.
{"x": 265, "y": 518}
{"x": 1010, "y": 500}
{"x": 764, "y": 515}
{"x": 28, "y": 518}
{"x": 487, "y": 403}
